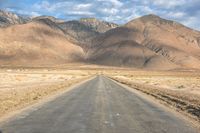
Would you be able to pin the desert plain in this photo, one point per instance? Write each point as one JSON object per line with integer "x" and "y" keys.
{"x": 179, "y": 90}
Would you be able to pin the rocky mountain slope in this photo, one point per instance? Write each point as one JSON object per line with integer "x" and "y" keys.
{"x": 83, "y": 31}
{"x": 36, "y": 44}
{"x": 98, "y": 25}
{"x": 8, "y": 18}
{"x": 148, "y": 42}
{"x": 53, "y": 19}
{"x": 78, "y": 33}
{"x": 171, "y": 45}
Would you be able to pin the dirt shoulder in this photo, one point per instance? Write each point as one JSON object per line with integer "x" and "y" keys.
{"x": 182, "y": 101}
{"x": 25, "y": 93}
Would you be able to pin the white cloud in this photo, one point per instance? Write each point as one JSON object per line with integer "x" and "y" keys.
{"x": 22, "y": 12}
{"x": 176, "y": 14}
{"x": 132, "y": 16}
{"x": 146, "y": 9}
{"x": 46, "y": 6}
{"x": 118, "y": 11}
{"x": 83, "y": 13}
{"x": 108, "y": 11}
{"x": 115, "y": 3}
{"x": 43, "y": 5}
{"x": 192, "y": 22}
{"x": 169, "y": 3}
{"x": 66, "y": 8}
{"x": 83, "y": 6}
{"x": 10, "y": 10}
{"x": 126, "y": 11}
{"x": 34, "y": 14}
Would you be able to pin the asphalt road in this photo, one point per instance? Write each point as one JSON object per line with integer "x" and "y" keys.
{"x": 98, "y": 106}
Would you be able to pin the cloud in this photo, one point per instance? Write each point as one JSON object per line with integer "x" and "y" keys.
{"x": 34, "y": 14}
{"x": 115, "y": 3}
{"x": 46, "y": 6}
{"x": 64, "y": 8}
{"x": 22, "y": 12}
{"x": 169, "y": 3}
{"x": 83, "y": 6}
{"x": 109, "y": 11}
{"x": 192, "y": 21}
{"x": 176, "y": 15}
{"x": 82, "y": 13}
{"x": 118, "y": 11}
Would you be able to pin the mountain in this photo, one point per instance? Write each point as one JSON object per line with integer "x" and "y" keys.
{"x": 148, "y": 42}
{"x": 8, "y": 18}
{"x": 49, "y": 21}
{"x": 53, "y": 19}
{"x": 36, "y": 44}
{"x": 84, "y": 30}
{"x": 78, "y": 33}
{"x": 98, "y": 25}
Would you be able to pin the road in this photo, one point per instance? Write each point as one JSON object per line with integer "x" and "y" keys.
{"x": 99, "y": 105}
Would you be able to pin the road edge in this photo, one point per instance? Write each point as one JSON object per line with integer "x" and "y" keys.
{"x": 159, "y": 103}
{"x": 38, "y": 104}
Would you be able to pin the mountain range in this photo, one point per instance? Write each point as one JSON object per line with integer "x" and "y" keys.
{"x": 148, "y": 42}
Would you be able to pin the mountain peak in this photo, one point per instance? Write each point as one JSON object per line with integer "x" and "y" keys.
{"x": 8, "y": 18}
{"x": 4, "y": 13}
{"x": 53, "y": 19}
{"x": 98, "y": 25}
{"x": 152, "y": 16}
{"x": 89, "y": 19}
{"x": 154, "y": 19}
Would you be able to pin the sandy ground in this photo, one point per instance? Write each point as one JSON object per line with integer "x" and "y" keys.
{"x": 178, "y": 89}
{"x": 20, "y": 88}
{"x": 98, "y": 105}
{"x": 187, "y": 83}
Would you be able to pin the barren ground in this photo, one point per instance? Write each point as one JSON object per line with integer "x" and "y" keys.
{"x": 99, "y": 105}
{"x": 22, "y": 87}
{"x": 19, "y": 88}
{"x": 180, "y": 90}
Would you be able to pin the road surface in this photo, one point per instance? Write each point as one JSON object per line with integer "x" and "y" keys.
{"x": 98, "y": 106}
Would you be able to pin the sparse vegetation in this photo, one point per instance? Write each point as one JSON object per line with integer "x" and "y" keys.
{"x": 19, "y": 89}
{"x": 178, "y": 89}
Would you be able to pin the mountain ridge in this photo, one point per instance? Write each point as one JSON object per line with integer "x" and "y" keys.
{"x": 147, "y": 42}
{"x": 9, "y": 18}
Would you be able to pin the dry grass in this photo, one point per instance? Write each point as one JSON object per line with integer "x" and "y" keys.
{"x": 22, "y": 88}
{"x": 178, "y": 89}
{"x": 19, "y": 88}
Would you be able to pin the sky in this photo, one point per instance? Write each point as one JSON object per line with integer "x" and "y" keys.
{"x": 186, "y": 12}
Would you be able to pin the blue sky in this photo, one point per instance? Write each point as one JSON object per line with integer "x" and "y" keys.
{"x": 119, "y": 11}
